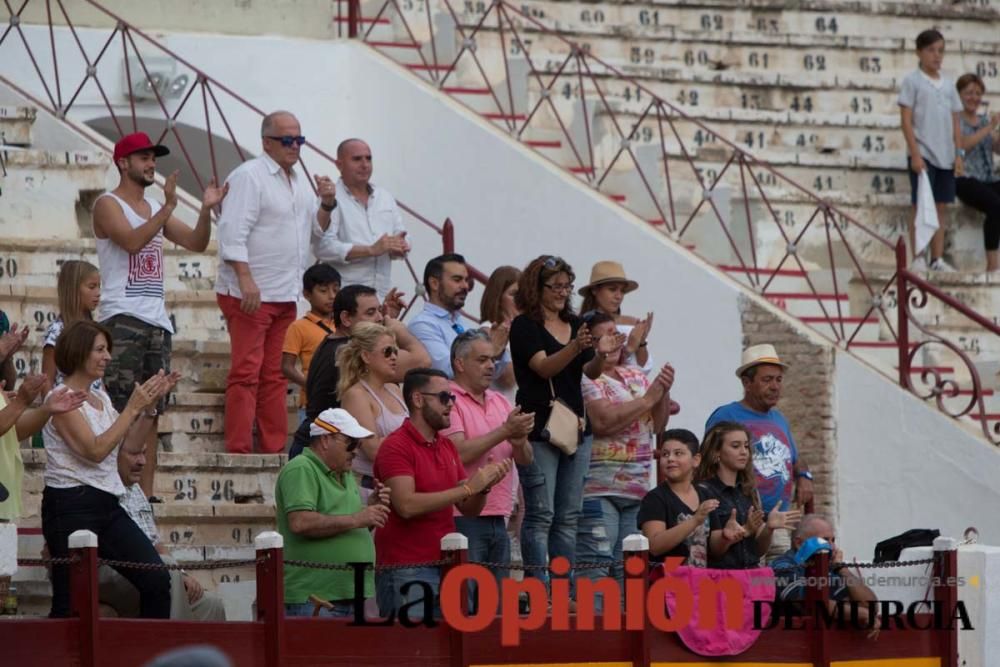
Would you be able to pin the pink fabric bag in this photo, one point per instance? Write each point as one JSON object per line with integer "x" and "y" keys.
{"x": 756, "y": 584}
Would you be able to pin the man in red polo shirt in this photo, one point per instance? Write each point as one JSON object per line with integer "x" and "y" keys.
{"x": 426, "y": 478}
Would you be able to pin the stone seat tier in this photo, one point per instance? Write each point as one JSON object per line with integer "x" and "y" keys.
{"x": 15, "y": 125}
{"x": 37, "y": 261}
{"x": 194, "y": 313}
{"x": 826, "y": 20}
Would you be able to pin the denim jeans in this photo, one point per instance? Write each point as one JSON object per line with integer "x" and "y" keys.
{"x": 340, "y": 610}
{"x": 553, "y": 494}
{"x": 604, "y": 523}
{"x": 488, "y": 543}
{"x": 390, "y": 596}
{"x": 118, "y": 538}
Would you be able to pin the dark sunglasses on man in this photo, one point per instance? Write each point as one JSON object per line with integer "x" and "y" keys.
{"x": 445, "y": 397}
{"x": 288, "y": 141}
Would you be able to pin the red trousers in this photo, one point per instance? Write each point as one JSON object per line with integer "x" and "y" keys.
{"x": 255, "y": 389}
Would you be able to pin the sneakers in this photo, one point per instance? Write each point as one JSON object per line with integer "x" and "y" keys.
{"x": 918, "y": 264}
{"x": 940, "y": 265}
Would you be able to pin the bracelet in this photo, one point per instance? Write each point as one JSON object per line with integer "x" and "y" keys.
{"x": 643, "y": 344}
{"x": 328, "y": 207}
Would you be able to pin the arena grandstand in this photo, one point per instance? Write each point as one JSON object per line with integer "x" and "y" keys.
{"x": 743, "y": 162}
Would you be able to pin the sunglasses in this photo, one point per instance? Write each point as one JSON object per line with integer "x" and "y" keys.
{"x": 445, "y": 397}
{"x": 352, "y": 444}
{"x": 552, "y": 262}
{"x": 589, "y": 316}
{"x": 288, "y": 141}
{"x": 390, "y": 351}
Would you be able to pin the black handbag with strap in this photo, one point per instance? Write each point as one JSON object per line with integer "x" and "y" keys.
{"x": 889, "y": 550}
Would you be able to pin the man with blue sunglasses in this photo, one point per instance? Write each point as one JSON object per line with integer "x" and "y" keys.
{"x": 270, "y": 226}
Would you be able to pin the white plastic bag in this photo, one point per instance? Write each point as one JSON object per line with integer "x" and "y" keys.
{"x": 927, "y": 221}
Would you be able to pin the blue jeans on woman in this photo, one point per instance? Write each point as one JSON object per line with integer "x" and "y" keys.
{"x": 65, "y": 511}
{"x": 553, "y": 494}
{"x": 604, "y": 523}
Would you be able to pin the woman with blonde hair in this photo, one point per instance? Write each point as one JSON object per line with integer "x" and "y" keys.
{"x": 367, "y": 365}
{"x": 740, "y": 531}
{"x": 78, "y": 289}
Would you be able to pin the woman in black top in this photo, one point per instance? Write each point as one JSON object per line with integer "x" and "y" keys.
{"x": 674, "y": 515}
{"x": 551, "y": 349}
{"x": 741, "y": 532}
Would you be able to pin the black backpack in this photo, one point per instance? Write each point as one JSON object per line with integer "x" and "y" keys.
{"x": 889, "y": 550}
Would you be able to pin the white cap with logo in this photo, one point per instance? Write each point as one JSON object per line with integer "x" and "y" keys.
{"x": 338, "y": 420}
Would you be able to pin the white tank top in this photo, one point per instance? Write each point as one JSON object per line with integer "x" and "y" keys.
{"x": 65, "y": 469}
{"x": 133, "y": 284}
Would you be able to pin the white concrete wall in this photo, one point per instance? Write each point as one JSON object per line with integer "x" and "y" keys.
{"x": 902, "y": 465}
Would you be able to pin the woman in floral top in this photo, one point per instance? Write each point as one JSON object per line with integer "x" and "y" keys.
{"x": 980, "y": 187}
{"x": 626, "y": 411}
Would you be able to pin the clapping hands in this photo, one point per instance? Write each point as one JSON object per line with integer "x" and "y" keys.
{"x": 12, "y": 341}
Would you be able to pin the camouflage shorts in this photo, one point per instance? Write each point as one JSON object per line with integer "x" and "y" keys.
{"x": 139, "y": 351}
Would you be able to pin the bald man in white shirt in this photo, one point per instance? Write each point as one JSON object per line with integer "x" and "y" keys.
{"x": 268, "y": 231}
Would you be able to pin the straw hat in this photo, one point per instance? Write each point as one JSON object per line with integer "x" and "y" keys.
{"x": 608, "y": 272}
{"x": 759, "y": 354}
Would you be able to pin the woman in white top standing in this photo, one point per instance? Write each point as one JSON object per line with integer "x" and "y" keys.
{"x": 82, "y": 486}
{"x": 604, "y": 293}
{"x": 367, "y": 365}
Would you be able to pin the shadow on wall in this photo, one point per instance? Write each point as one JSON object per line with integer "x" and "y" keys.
{"x": 196, "y": 144}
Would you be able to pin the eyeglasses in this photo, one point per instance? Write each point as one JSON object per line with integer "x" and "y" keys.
{"x": 288, "y": 141}
{"x": 390, "y": 351}
{"x": 445, "y": 397}
{"x": 565, "y": 287}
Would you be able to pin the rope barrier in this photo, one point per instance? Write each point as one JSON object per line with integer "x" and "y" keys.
{"x": 344, "y": 567}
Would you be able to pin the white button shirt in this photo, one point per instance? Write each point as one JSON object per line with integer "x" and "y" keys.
{"x": 269, "y": 222}
{"x": 352, "y": 223}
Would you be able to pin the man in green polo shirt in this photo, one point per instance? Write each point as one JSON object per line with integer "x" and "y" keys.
{"x": 321, "y": 516}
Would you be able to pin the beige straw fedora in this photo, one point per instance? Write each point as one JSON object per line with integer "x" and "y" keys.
{"x": 759, "y": 354}
{"x": 608, "y": 272}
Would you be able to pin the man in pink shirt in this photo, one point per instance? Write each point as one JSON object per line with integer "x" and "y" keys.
{"x": 486, "y": 430}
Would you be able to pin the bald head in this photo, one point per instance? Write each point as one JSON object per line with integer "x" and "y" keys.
{"x": 812, "y": 525}
{"x": 271, "y": 120}
{"x": 354, "y": 160}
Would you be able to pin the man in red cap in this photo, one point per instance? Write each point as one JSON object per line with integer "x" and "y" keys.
{"x": 130, "y": 228}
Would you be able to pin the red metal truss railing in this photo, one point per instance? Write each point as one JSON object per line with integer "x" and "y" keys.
{"x": 211, "y": 95}
{"x": 914, "y": 294}
{"x": 699, "y": 187}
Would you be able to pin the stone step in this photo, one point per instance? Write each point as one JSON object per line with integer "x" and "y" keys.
{"x": 36, "y": 262}
{"x": 194, "y": 423}
{"x": 47, "y": 194}
{"x": 823, "y": 21}
{"x": 787, "y": 55}
{"x": 193, "y": 312}
{"x": 15, "y": 125}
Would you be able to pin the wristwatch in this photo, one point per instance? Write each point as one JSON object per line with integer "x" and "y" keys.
{"x": 805, "y": 474}
{"x": 328, "y": 207}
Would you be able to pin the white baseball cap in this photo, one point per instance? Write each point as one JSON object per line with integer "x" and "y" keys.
{"x": 338, "y": 420}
